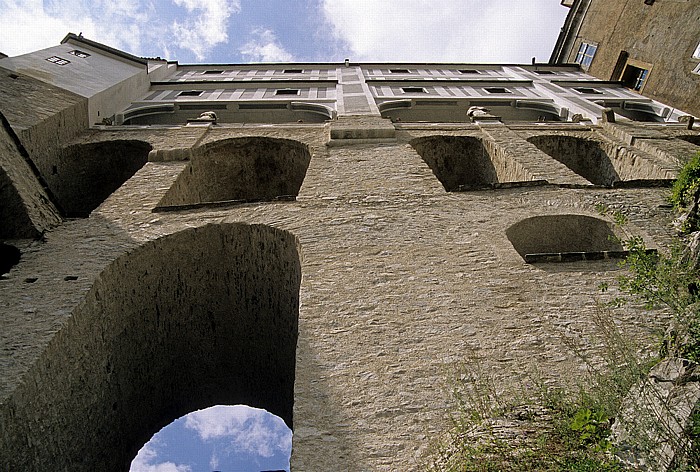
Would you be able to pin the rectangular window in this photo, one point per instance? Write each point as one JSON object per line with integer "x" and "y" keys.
{"x": 79, "y": 53}
{"x": 587, "y": 90}
{"x": 213, "y": 72}
{"x": 413, "y": 90}
{"x": 497, "y": 90}
{"x": 287, "y": 92}
{"x": 399, "y": 71}
{"x": 58, "y": 61}
{"x": 469, "y": 71}
{"x": 190, "y": 93}
{"x": 634, "y": 77}
{"x": 585, "y": 54}
{"x": 293, "y": 71}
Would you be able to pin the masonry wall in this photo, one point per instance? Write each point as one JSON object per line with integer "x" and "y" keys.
{"x": 401, "y": 281}
{"x": 663, "y": 35}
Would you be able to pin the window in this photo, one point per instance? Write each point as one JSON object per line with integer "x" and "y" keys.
{"x": 413, "y": 90}
{"x": 585, "y": 54}
{"x": 293, "y": 71}
{"x": 58, "y": 61}
{"x": 287, "y": 92}
{"x": 190, "y": 93}
{"x": 469, "y": 71}
{"x": 497, "y": 90}
{"x": 587, "y": 90}
{"x": 213, "y": 72}
{"x": 399, "y": 71}
{"x": 634, "y": 77}
{"x": 79, "y": 53}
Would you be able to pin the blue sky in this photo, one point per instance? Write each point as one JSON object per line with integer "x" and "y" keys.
{"x": 234, "y": 31}
{"x": 223, "y": 438}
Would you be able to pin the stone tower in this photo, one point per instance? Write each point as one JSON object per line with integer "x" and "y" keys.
{"x": 320, "y": 240}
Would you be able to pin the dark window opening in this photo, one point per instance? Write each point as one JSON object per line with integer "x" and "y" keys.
{"x": 78, "y": 53}
{"x": 293, "y": 71}
{"x": 587, "y": 90}
{"x": 190, "y": 93}
{"x": 58, "y": 61}
{"x": 634, "y": 77}
{"x": 469, "y": 71}
{"x": 399, "y": 71}
{"x": 287, "y": 92}
{"x": 413, "y": 90}
{"x": 497, "y": 90}
{"x": 213, "y": 72}
{"x": 9, "y": 257}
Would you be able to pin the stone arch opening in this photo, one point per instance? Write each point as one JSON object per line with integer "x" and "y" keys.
{"x": 16, "y": 223}
{"x": 459, "y": 162}
{"x": 692, "y": 139}
{"x": 564, "y": 238}
{"x": 207, "y": 316}
{"x": 86, "y": 174}
{"x": 586, "y": 157}
{"x": 236, "y": 437}
{"x": 9, "y": 257}
{"x": 241, "y": 170}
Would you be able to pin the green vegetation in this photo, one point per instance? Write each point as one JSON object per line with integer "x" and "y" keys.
{"x": 550, "y": 431}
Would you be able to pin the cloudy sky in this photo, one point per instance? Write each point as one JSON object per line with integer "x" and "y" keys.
{"x": 234, "y": 31}
{"x": 220, "y": 438}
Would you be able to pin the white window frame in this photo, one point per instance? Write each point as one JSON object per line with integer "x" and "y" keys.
{"x": 586, "y": 54}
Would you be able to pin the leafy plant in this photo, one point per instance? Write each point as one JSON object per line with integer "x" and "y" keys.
{"x": 687, "y": 184}
{"x": 592, "y": 427}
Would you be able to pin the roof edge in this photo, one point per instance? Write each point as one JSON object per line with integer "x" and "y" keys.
{"x": 105, "y": 48}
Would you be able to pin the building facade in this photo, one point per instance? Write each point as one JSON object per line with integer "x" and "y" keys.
{"x": 650, "y": 47}
{"x": 325, "y": 241}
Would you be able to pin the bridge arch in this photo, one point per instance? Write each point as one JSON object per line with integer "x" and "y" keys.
{"x": 86, "y": 174}
{"x": 241, "y": 169}
{"x": 586, "y": 157}
{"x": 202, "y": 317}
{"x": 457, "y": 161}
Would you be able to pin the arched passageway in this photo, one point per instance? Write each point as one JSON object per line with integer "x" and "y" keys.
{"x": 9, "y": 257}
{"x": 204, "y": 317}
{"x": 584, "y": 156}
{"x": 459, "y": 162}
{"x": 561, "y": 234}
{"x": 241, "y": 169}
{"x": 87, "y": 174}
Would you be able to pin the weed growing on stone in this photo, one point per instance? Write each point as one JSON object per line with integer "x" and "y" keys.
{"x": 534, "y": 429}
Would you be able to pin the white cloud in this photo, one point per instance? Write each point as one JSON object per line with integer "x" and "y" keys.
{"x": 250, "y": 430}
{"x": 265, "y": 48}
{"x": 30, "y": 25}
{"x": 207, "y": 28}
{"x": 142, "y": 463}
{"x": 139, "y": 27}
{"x": 445, "y": 31}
